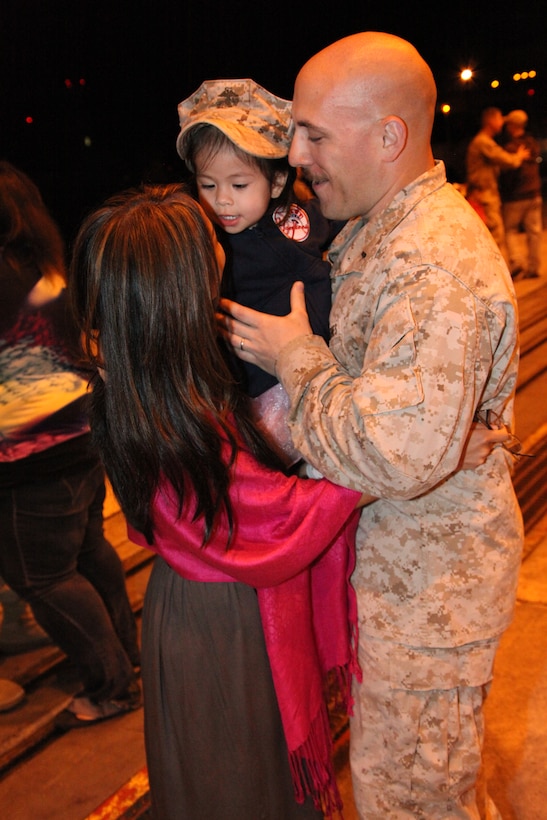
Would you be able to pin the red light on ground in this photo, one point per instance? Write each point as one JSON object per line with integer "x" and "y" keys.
{"x": 530, "y": 92}
{"x": 29, "y": 120}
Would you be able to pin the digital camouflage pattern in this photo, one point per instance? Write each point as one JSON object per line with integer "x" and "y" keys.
{"x": 424, "y": 332}
{"x": 253, "y": 118}
{"x": 421, "y": 758}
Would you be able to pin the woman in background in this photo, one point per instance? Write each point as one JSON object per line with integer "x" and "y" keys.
{"x": 53, "y": 552}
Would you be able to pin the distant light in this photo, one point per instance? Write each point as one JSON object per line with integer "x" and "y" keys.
{"x": 87, "y": 142}
{"x": 524, "y": 75}
{"x": 495, "y": 84}
{"x": 516, "y": 77}
{"x": 29, "y": 120}
{"x": 466, "y": 74}
{"x": 445, "y": 108}
{"x": 68, "y": 83}
{"x": 81, "y": 81}
{"x": 530, "y": 92}
{"x": 532, "y": 74}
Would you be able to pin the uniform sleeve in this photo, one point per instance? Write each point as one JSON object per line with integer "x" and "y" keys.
{"x": 499, "y": 156}
{"x": 397, "y": 428}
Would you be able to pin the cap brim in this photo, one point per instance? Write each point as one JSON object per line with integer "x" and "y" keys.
{"x": 245, "y": 138}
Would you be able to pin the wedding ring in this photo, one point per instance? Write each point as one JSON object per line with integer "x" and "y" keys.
{"x": 241, "y": 343}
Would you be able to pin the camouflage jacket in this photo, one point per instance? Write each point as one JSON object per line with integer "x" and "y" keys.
{"x": 484, "y": 161}
{"x": 424, "y": 332}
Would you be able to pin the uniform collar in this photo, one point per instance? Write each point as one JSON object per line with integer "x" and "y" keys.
{"x": 361, "y": 237}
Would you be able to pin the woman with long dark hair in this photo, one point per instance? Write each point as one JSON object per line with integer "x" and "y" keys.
{"x": 237, "y": 628}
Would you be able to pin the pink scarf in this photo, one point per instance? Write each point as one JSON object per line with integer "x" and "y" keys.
{"x": 310, "y": 627}
{"x": 294, "y": 542}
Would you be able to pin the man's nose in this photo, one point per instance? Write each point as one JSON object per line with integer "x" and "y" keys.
{"x": 298, "y": 153}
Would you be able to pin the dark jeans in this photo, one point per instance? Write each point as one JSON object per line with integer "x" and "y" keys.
{"x": 53, "y": 553}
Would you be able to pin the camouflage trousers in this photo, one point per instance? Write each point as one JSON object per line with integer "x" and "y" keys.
{"x": 417, "y": 732}
{"x": 493, "y": 216}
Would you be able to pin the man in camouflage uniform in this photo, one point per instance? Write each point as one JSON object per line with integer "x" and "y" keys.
{"x": 424, "y": 339}
{"x": 484, "y": 160}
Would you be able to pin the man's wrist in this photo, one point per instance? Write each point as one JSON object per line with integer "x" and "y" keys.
{"x": 285, "y": 361}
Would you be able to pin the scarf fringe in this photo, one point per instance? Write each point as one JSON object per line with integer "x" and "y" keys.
{"x": 344, "y": 675}
{"x": 312, "y": 765}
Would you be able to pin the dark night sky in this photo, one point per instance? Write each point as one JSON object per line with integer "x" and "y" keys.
{"x": 139, "y": 59}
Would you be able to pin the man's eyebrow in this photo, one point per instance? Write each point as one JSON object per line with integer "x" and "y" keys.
{"x": 308, "y": 124}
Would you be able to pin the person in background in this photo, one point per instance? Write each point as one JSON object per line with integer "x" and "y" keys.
{"x": 19, "y": 631}
{"x": 53, "y": 552}
{"x": 424, "y": 344}
{"x": 234, "y": 138}
{"x": 237, "y": 631}
{"x": 485, "y": 159}
{"x": 521, "y": 195}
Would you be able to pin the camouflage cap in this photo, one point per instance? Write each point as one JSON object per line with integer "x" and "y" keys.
{"x": 253, "y": 119}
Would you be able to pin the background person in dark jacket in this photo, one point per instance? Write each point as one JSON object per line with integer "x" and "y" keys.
{"x": 520, "y": 190}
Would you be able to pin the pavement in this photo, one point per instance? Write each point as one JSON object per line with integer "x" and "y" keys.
{"x": 516, "y": 710}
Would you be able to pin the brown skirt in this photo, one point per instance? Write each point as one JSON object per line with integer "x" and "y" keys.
{"x": 215, "y": 746}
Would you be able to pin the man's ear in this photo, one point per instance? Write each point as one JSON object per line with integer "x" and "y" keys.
{"x": 278, "y": 184}
{"x": 394, "y": 138}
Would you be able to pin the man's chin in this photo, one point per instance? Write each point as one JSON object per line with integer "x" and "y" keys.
{"x": 326, "y": 206}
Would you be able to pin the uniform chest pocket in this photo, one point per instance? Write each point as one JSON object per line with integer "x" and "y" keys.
{"x": 390, "y": 379}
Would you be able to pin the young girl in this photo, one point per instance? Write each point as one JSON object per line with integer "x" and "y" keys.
{"x": 237, "y": 629}
{"x": 235, "y": 139}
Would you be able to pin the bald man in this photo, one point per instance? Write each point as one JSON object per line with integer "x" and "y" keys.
{"x": 424, "y": 344}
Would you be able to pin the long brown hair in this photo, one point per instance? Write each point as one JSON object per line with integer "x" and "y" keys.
{"x": 144, "y": 282}
{"x": 31, "y": 245}
{"x": 28, "y": 233}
